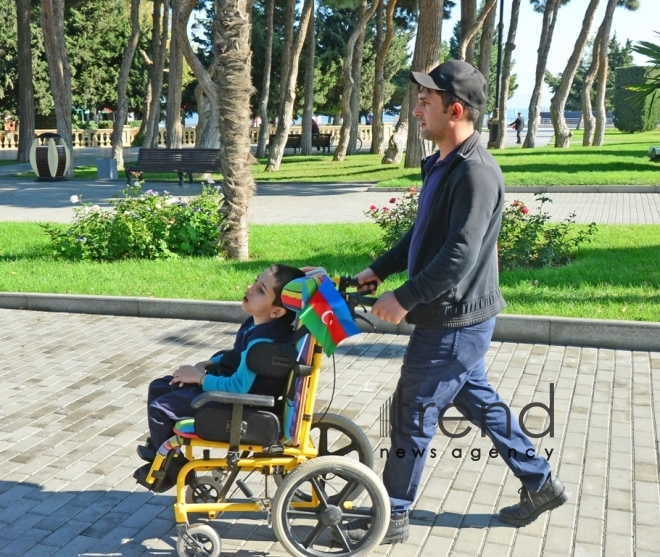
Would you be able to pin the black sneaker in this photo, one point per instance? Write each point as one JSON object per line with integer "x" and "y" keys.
{"x": 397, "y": 532}
{"x": 532, "y": 504}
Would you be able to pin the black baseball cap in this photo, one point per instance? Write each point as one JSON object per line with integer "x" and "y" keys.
{"x": 457, "y": 77}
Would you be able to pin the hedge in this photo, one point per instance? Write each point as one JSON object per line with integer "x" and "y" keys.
{"x": 629, "y": 116}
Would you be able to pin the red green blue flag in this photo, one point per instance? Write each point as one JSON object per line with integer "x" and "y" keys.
{"x": 327, "y": 317}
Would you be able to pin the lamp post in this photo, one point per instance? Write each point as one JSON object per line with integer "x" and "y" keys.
{"x": 494, "y": 122}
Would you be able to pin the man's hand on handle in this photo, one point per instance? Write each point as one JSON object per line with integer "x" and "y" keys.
{"x": 387, "y": 307}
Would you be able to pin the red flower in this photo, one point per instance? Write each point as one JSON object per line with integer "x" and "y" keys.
{"x": 373, "y": 208}
{"x": 393, "y": 200}
{"x": 386, "y": 209}
{"x": 524, "y": 210}
{"x": 412, "y": 190}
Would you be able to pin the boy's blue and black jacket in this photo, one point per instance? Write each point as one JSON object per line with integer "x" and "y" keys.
{"x": 230, "y": 372}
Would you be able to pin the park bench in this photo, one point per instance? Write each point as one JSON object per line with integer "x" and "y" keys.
{"x": 181, "y": 161}
{"x": 292, "y": 142}
{"x": 654, "y": 154}
{"x": 320, "y": 141}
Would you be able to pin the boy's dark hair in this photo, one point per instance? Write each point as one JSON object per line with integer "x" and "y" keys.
{"x": 284, "y": 274}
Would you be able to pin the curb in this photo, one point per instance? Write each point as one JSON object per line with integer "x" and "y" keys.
{"x": 556, "y": 189}
{"x": 532, "y": 329}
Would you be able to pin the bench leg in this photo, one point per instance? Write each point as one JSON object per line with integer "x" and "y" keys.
{"x": 128, "y": 177}
{"x": 180, "y": 178}
{"x": 190, "y": 176}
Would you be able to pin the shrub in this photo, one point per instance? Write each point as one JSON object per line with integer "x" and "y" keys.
{"x": 529, "y": 240}
{"x": 630, "y": 116}
{"x": 526, "y": 240}
{"x": 149, "y": 226}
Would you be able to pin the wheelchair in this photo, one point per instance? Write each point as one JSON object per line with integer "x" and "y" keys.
{"x": 317, "y": 467}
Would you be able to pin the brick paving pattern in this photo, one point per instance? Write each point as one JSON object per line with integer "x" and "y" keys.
{"x": 74, "y": 394}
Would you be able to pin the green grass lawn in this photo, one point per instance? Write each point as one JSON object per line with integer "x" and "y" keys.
{"x": 622, "y": 160}
{"x": 613, "y": 277}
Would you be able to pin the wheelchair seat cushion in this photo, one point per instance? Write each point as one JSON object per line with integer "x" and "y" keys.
{"x": 213, "y": 423}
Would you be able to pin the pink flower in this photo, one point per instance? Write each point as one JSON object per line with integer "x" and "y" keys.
{"x": 412, "y": 190}
{"x": 386, "y": 209}
{"x": 393, "y": 200}
{"x": 524, "y": 210}
{"x": 373, "y": 208}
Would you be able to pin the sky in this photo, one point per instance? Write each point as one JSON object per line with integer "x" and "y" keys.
{"x": 637, "y": 26}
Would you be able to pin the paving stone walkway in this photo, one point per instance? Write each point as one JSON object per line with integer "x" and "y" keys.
{"x": 74, "y": 395}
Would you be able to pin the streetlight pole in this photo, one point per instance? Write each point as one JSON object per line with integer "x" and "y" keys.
{"x": 493, "y": 123}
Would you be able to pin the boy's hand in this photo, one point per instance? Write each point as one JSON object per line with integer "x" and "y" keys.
{"x": 203, "y": 366}
{"x": 187, "y": 375}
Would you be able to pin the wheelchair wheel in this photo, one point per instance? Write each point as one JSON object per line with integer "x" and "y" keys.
{"x": 206, "y": 490}
{"x": 204, "y": 537}
{"x": 308, "y": 532}
{"x": 335, "y": 435}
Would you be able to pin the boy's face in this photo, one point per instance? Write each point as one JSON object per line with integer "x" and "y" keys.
{"x": 260, "y": 297}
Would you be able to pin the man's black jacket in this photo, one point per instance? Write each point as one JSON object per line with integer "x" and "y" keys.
{"x": 454, "y": 282}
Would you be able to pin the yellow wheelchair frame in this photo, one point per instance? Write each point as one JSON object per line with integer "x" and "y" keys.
{"x": 301, "y": 519}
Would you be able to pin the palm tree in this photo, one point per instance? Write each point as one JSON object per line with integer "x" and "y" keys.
{"x": 652, "y": 85}
{"x": 231, "y": 48}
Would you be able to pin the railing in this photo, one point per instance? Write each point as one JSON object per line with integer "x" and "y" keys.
{"x": 102, "y": 137}
{"x": 363, "y": 131}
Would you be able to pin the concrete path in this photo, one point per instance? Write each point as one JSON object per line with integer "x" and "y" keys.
{"x": 291, "y": 203}
{"x": 74, "y": 394}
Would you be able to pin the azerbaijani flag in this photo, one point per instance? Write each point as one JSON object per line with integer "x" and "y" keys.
{"x": 327, "y": 317}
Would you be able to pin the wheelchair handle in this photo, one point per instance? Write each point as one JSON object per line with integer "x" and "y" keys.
{"x": 356, "y": 298}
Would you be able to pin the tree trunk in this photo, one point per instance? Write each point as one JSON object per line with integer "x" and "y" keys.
{"x": 506, "y": 74}
{"x": 468, "y": 17}
{"x": 358, "y": 57}
{"x": 549, "y": 20}
{"x": 159, "y": 46}
{"x": 122, "y": 84}
{"x": 173, "y": 127}
{"x": 308, "y": 105}
{"x": 59, "y": 70}
{"x": 25, "y": 87}
{"x": 470, "y": 30}
{"x": 485, "y": 51}
{"x": 587, "y": 86}
{"x": 603, "y": 65}
{"x": 209, "y": 134}
{"x": 234, "y": 86}
{"x": 377, "y": 133}
{"x": 397, "y": 141}
{"x": 265, "y": 88}
{"x": 288, "y": 96}
{"x": 146, "y": 103}
{"x": 348, "y": 82}
{"x": 425, "y": 58}
{"x": 558, "y": 102}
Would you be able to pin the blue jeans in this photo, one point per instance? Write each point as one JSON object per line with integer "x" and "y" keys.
{"x": 443, "y": 366}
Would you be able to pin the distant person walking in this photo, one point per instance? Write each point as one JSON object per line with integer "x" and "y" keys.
{"x": 518, "y": 125}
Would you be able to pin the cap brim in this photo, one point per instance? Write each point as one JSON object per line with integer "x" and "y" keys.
{"x": 424, "y": 80}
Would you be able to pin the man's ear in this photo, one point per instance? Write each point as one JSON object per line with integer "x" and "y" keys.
{"x": 457, "y": 111}
{"x": 277, "y": 312}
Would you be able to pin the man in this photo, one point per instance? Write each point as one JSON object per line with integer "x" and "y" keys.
{"x": 452, "y": 297}
{"x": 518, "y": 125}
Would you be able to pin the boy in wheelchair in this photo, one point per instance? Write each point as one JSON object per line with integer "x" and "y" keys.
{"x": 170, "y": 397}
